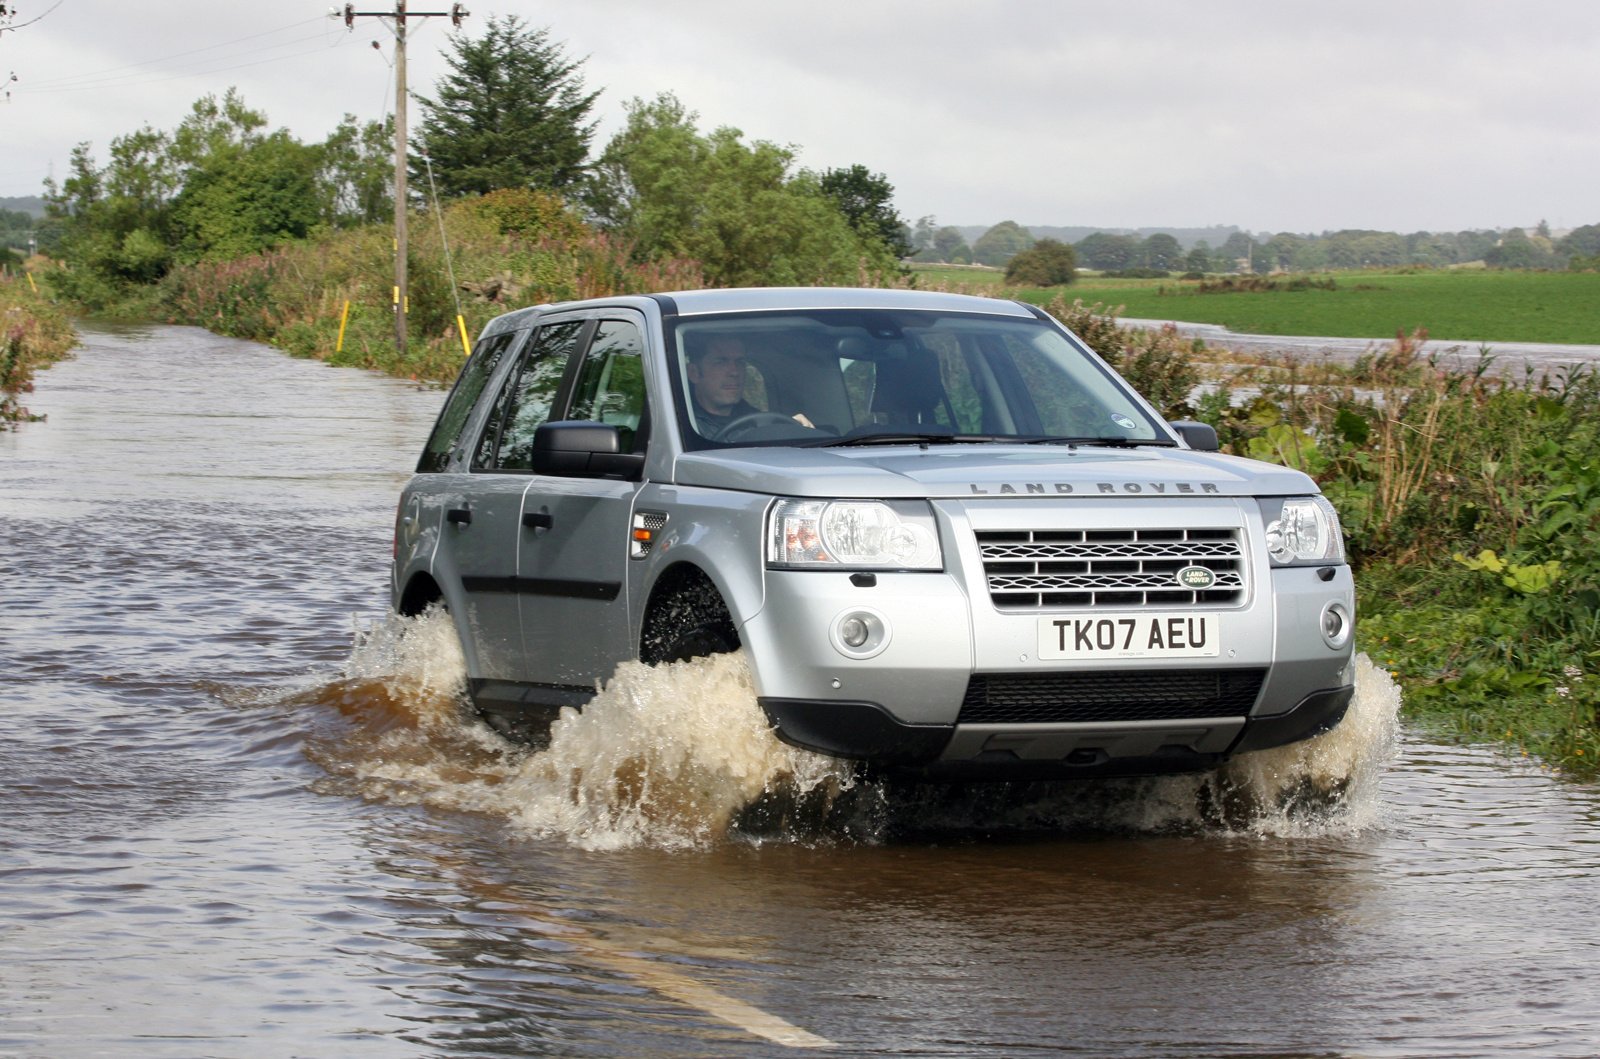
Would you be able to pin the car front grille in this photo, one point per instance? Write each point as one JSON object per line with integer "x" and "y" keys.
{"x": 1067, "y": 698}
{"x": 1034, "y": 569}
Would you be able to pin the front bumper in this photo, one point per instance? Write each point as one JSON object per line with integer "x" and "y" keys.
{"x": 869, "y": 732}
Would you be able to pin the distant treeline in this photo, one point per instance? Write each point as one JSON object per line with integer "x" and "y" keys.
{"x": 1190, "y": 250}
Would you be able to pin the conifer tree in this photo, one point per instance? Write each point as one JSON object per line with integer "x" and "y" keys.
{"x": 512, "y": 113}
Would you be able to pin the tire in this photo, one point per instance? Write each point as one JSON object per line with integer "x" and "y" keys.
{"x": 688, "y": 622}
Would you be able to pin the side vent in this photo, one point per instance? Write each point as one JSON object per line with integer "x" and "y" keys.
{"x": 647, "y": 526}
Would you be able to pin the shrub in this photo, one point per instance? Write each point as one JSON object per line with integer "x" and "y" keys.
{"x": 1048, "y": 263}
{"x": 33, "y": 334}
{"x": 1137, "y": 273}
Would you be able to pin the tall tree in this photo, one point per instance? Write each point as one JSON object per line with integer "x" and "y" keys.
{"x": 1107, "y": 251}
{"x": 1238, "y": 253}
{"x": 1583, "y": 242}
{"x": 1001, "y": 243}
{"x": 867, "y": 201}
{"x": 242, "y": 198}
{"x": 116, "y": 222}
{"x": 949, "y": 245}
{"x": 216, "y": 186}
{"x": 734, "y": 207}
{"x": 358, "y": 171}
{"x": 511, "y": 113}
{"x": 1161, "y": 251}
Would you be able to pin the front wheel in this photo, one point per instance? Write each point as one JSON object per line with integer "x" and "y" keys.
{"x": 690, "y": 622}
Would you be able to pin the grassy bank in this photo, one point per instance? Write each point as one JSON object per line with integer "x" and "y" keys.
{"x": 496, "y": 253}
{"x": 33, "y": 333}
{"x": 1462, "y": 305}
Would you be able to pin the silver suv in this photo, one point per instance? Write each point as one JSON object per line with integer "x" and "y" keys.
{"x": 948, "y": 537}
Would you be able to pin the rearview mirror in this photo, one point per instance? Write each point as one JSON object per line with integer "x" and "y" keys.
{"x": 1196, "y": 435}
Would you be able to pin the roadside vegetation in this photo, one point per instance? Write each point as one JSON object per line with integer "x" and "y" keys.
{"x": 1470, "y": 502}
{"x": 507, "y": 249}
{"x": 1471, "y": 499}
{"x": 33, "y": 334}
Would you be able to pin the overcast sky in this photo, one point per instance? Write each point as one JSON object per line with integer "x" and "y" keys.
{"x": 1403, "y": 115}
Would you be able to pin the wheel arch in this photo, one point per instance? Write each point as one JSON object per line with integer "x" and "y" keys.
{"x": 421, "y": 592}
{"x": 684, "y": 577}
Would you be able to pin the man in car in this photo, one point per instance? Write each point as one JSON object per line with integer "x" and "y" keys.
{"x": 716, "y": 385}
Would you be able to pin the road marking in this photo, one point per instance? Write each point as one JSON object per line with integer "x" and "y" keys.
{"x": 697, "y": 994}
{"x": 659, "y": 977}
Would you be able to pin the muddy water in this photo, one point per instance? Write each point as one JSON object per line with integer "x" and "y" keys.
{"x": 243, "y": 815}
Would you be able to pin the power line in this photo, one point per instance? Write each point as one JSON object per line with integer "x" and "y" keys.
{"x": 114, "y": 77}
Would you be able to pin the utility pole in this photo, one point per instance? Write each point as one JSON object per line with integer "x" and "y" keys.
{"x": 399, "y": 16}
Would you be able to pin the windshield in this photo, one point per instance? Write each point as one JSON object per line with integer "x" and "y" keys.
{"x": 850, "y": 376}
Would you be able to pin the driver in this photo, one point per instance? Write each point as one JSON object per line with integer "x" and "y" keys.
{"x": 716, "y": 385}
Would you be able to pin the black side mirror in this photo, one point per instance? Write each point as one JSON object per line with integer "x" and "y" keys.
{"x": 582, "y": 449}
{"x": 1200, "y": 436}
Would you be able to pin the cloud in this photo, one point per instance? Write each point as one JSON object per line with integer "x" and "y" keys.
{"x": 1421, "y": 115}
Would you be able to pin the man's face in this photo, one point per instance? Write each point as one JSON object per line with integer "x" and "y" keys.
{"x": 718, "y": 377}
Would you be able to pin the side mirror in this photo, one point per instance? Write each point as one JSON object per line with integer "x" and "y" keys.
{"x": 582, "y": 449}
{"x": 1200, "y": 436}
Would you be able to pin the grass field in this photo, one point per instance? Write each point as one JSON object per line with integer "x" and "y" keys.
{"x": 1465, "y": 305}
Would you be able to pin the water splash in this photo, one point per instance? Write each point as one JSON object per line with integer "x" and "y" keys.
{"x": 680, "y": 756}
{"x": 1330, "y": 781}
{"x": 669, "y": 756}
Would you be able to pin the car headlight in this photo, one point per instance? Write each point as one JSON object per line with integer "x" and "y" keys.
{"x": 853, "y": 534}
{"x": 1305, "y": 531}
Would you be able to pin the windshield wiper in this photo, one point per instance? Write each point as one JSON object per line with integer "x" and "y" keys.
{"x": 907, "y": 438}
{"x": 1111, "y": 442}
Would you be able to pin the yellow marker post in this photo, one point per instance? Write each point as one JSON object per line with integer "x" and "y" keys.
{"x": 466, "y": 346}
{"x": 344, "y": 318}
{"x": 32, "y": 285}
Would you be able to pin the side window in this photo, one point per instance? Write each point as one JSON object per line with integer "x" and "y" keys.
{"x": 610, "y": 386}
{"x": 453, "y": 416}
{"x": 524, "y": 404}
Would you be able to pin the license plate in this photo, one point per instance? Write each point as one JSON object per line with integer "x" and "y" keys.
{"x": 1131, "y": 636}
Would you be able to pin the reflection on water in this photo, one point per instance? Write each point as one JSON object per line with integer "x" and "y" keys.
{"x": 228, "y": 833}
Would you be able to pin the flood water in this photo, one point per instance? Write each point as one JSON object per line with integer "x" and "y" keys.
{"x": 243, "y": 815}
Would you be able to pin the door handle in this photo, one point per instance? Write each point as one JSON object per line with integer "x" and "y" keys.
{"x": 537, "y": 520}
{"x": 460, "y": 516}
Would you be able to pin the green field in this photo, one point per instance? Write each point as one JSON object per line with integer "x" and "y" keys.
{"x": 1468, "y": 306}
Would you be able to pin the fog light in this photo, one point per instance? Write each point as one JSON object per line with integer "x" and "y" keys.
{"x": 860, "y": 633}
{"x": 1335, "y": 625}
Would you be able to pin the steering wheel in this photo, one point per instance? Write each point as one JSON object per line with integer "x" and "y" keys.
{"x": 754, "y": 421}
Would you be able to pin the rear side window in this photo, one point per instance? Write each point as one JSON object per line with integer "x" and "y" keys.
{"x": 458, "y": 406}
{"x": 610, "y": 386}
{"x": 524, "y": 404}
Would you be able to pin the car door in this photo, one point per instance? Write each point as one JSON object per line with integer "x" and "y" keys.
{"x": 483, "y": 528}
{"x": 572, "y": 563}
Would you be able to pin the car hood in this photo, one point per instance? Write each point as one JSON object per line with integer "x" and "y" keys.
{"x": 988, "y": 469}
